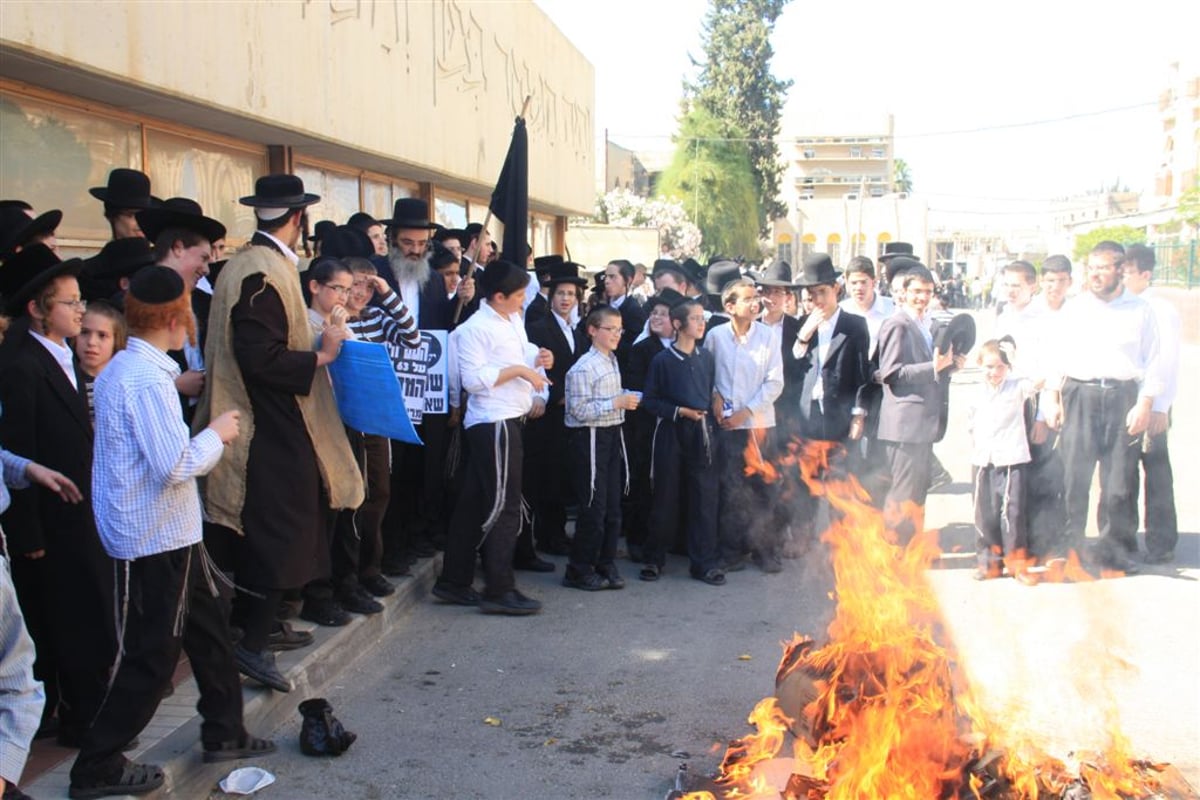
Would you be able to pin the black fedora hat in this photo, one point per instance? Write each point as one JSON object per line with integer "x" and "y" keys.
{"x": 17, "y": 228}
{"x": 778, "y": 273}
{"x": 343, "y": 241}
{"x": 958, "y": 333}
{"x": 817, "y": 270}
{"x": 26, "y": 273}
{"x": 126, "y": 188}
{"x": 893, "y": 249}
{"x": 119, "y": 258}
{"x": 21, "y": 204}
{"x": 667, "y": 297}
{"x": 321, "y": 229}
{"x": 410, "y": 213}
{"x": 564, "y": 272}
{"x": 279, "y": 191}
{"x": 692, "y": 271}
{"x": 899, "y": 265}
{"x": 179, "y": 212}
{"x": 664, "y": 266}
{"x": 721, "y": 274}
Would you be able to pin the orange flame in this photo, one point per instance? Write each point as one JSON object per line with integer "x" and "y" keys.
{"x": 886, "y": 712}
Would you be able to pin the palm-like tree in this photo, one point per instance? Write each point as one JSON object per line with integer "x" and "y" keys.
{"x": 901, "y": 177}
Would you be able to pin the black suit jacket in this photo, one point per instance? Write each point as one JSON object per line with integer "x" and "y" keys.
{"x": 843, "y": 374}
{"x": 537, "y": 309}
{"x": 633, "y": 319}
{"x": 46, "y": 419}
{"x": 546, "y": 333}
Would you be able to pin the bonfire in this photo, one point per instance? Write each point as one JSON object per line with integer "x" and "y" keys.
{"x": 882, "y": 710}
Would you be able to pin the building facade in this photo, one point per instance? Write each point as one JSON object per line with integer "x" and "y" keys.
{"x": 366, "y": 100}
{"x": 1179, "y": 110}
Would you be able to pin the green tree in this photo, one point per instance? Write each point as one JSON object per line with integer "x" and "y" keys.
{"x": 1121, "y": 234}
{"x": 901, "y": 176}
{"x": 1189, "y": 210}
{"x": 711, "y": 175}
{"x": 735, "y": 84}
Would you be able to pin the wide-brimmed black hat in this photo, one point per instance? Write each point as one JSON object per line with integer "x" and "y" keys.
{"x": 410, "y": 213}
{"x": 321, "y": 229}
{"x": 27, "y": 272}
{"x": 693, "y": 272}
{"x": 127, "y": 188}
{"x": 17, "y": 228}
{"x": 21, "y": 204}
{"x": 899, "y": 265}
{"x": 279, "y": 191}
{"x": 778, "y": 273}
{"x": 564, "y": 272}
{"x": 667, "y": 297}
{"x": 817, "y": 270}
{"x": 344, "y": 240}
{"x": 720, "y": 274}
{"x": 179, "y": 212}
{"x": 958, "y": 333}
{"x": 893, "y": 249}
{"x": 543, "y": 265}
{"x": 120, "y": 258}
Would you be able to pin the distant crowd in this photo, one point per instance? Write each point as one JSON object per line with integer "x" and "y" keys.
{"x": 176, "y": 453}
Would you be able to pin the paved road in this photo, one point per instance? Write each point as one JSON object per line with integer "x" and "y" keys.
{"x": 598, "y": 696}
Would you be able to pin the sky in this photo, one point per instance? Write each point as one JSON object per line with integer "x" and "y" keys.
{"x": 994, "y": 104}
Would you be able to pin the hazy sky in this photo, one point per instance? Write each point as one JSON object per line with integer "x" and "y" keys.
{"x": 941, "y": 68}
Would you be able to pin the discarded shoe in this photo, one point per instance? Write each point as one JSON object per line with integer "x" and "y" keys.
{"x": 325, "y": 612}
{"x": 322, "y": 734}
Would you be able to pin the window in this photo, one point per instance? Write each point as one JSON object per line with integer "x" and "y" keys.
{"x": 876, "y": 191}
{"x": 856, "y": 152}
{"x": 810, "y": 152}
{"x": 338, "y": 191}
{"x": 450, "y": 211}
{"x": 784, "y": 252}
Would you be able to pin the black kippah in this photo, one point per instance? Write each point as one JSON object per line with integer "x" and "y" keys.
{"x": 504, "y": 277}
{"x": 156, "y": 285}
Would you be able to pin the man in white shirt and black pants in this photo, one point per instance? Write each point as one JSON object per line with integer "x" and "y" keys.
{"x": 505, "y": 377}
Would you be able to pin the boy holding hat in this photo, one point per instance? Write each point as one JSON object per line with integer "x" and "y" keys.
{"x": 149, "y": 516}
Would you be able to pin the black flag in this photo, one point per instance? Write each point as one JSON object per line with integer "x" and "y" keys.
{"x": 510, "y": 200}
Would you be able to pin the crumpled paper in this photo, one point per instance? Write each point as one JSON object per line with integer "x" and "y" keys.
{"x": 246, "y": 780}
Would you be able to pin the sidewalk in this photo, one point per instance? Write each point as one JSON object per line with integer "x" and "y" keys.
{"x": 172, "y": 739}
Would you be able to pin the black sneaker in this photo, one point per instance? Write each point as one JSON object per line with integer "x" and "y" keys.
{"x": 261, "y": 667}
{"x": 612, "y": 578}
{"x": 325, "y": 612}
{"x": 357, "y": 601}
{"x": 456, "y": 595}
{"x": 512, "y": 603}
{"x": 534, "y": 564}
{"x": 377, "y": 585}
{"x": 587, "y": 581}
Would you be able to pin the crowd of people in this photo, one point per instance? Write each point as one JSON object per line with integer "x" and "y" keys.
{"x": 176, "y": 452}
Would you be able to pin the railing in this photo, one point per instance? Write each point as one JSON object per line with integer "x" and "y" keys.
{"x": 1177, "y": 264}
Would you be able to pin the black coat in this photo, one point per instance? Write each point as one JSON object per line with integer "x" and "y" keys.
{"x": 633, "y": 319}
{"x": 843, "y": 373}
{"x": 546, "y": 333}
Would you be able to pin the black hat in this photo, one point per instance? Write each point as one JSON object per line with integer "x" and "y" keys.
{"x": 120, "y": 258}
{"x": 667, "y": 297}
{"x": 544, "y": 265}
{"x": 667, "y": 265}
{"x": 458, "y": 234}
{"x": 127, "y": 188}
{"x": 279, "y": 191}
{"x": 362, "y": 220}
{"x": 721, "y": 274}
{"x": 692, "y": 271}
{"x": 321, "y": 229}
{"x": 179, "y": 212}
{"x": 899, "y": 265}
{"x": 598, "y": 282}
{"x": 893, "y": 249}
{"x": 156, "y": 285}
{"x": 17, "y": 228}
{"x": 343, "y": 240}
{"x": 779, "y": 273}
{"x": 502, "y": 276}
{"x": 563, "y": 272}
{"x": 27, "y": 272}
{"x": 21, "y": 204}
{"x": 818, "y": 269}
{"x": 410, "y": 213}
{"x": 958, "y": 333}
{"x": 441, "y": 256}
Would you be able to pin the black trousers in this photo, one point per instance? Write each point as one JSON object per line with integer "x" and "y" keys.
{"x": 685, "y": 474}
{"x": 746, "y": 500}
{"x": 1162, "y": 524}
{"x": 635, "y": 510}
{"x": 486, "y": 441}
{"x": 547, "y": 480}
{"x": 597, "y": 468}
{"x": 1044, "y": 493}
{"x": 909, "y": 465}
{"x": 158, "y": 584}
{"x": 1094, "y": 433}
{"x": 417, "y": 507}
{"x": 1000, "y": 514}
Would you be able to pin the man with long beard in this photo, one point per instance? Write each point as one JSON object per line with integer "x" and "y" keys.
{"x": 416, "y": 516}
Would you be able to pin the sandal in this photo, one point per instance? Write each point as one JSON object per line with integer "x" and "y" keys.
{"x": 650, "y": 572}
{"x": 248, "y": 747}
{"x": 714, "y": 577}
{"x": 134, "y": 779}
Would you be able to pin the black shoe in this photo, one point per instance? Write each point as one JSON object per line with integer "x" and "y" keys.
{"x": 770, "y": 563}
{"x": 357, "y": 601}
{"x": 587, "y": 581}
{"x": 325, "y": 612}
{"x": 261, "y": 667}
{"x": 457, "y": 595}
{"x": 1160, "y": 558}
{"x": 534, "y": 564}
{"x": 512, "y": 603}
{"x": 396, "y": 568}
{"x": 377, "y": 585}
{"x": 556, "y": 547}
{"x": 285, "y": 637}
{"x": 612, "y": 578}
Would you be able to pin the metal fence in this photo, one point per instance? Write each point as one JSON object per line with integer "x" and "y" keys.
{"x": 1176, "y": 264}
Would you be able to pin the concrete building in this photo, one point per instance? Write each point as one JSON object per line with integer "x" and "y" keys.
{"x": 367, "y": 100}
{"x": 830, "y": 166}
{"x": 1179, "y": 109}
{"x": 624, "y": 170}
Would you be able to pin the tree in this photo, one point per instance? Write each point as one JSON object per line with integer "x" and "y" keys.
{"x": 676, "y": 232}
{"x": 735, "y": 84}
{"x": 1189, "y": 210}
{"x": 1121, "y": 234}
{"x": 712, "y": 175}
{"x": 901, "y": 176}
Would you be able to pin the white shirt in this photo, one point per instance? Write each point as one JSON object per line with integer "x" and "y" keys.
{"x": 824, "y": 338}
{"x": 881, "y": 309}
{"x": 485, "y": 344}
{"x": 1025, "y": 327}
{"x": 749, "y": 370}
{"x": 1117, "y": 340}
{"x": 997, "y": 423}
{"x": 1170, "y": 334}
{"x": 565, "y": 327}
{"x": 288, "y": 253}
{"x": 62, "y": 354}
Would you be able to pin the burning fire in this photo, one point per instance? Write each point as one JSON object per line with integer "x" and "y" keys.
{"x": 882, "y": 710}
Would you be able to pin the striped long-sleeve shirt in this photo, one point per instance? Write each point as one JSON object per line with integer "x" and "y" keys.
{"x": 393, "y": 324}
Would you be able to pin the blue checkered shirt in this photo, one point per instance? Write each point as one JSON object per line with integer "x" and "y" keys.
{"x": 592, "y": 385}
{"x": 144, "y": 490}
